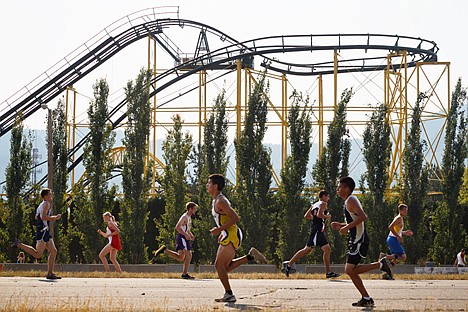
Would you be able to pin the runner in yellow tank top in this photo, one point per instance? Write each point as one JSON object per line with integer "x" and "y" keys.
{"x": 229, "y": 236}
{"x": 395, "y": 236}
{"x": 233, "y": 233}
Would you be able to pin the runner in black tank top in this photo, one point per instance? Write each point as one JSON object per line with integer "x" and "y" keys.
{"x": 358, "y": 241}
{"x": 318, "y": 213}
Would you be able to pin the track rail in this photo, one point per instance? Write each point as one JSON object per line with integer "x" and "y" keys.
{"x": 373, "y": 49}
{"x": 112, "y": 40}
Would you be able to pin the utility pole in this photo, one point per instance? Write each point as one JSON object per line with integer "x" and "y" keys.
{"x": 50, "y": 159}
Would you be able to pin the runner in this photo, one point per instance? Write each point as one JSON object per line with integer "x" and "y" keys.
{"x": 358, "y": 241}
{"x": 114, "y": 244}
{"x": 184, "y": 236}
{"x": 44, "y": 239}
{"x": 318, "y": 213}
{"x": 229, "y": 236}
{"x": 395, "y": 239}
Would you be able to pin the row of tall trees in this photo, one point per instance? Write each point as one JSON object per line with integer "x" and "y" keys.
{"x": 271, "y": 221}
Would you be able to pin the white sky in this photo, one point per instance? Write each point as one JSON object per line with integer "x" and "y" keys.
{"x": 37, "y": 34}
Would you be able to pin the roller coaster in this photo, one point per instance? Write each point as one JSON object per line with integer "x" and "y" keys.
{"x": 409, "y": 66}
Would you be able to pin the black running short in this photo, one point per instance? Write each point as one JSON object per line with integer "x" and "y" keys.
{"x": 356, "y": 252}
{"x": 317, "y": 239}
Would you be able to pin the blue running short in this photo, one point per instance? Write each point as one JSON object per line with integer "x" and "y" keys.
{"x": 395, "y": 246}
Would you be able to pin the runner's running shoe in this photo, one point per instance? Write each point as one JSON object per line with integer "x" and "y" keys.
{"x": 53, "y": 277}
{"x": 226, "y": 298}
{"x": 364, "y": 303}
{"x": 386, "y": 267}
{"x": 257, "y": 255}
{"x": 187, "y": 276}
{"x": 332, "y": 274}
{"x": 15, "y": 243}
{"x": 159, "y": 251}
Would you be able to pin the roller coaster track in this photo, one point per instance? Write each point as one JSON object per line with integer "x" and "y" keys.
{"x": 375, "y": 48}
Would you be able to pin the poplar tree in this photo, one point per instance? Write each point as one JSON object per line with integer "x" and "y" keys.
{"x": 213, "y": 159}
{"x": 331, "y": 165}
{"x": 376, "y": 151}
{"x": 97, "y": 163}
{"x": 449, "y": 232}
{"x": 414, "y": 188}
{"x": 176, "y": 149}
{"x": 60, "y": 177}
{"x": 254, "y": 172}
{"x": 96, "y": 198}
{"x": 136, "y": 172}
{"x": 463, "y": 198}
{"x": 4, "y": 238}
{"x": 17, "y": 176}
{"x": 291, "y": 203}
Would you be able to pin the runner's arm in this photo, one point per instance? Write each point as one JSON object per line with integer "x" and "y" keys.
{"x": 44, "y": 215}
{"x": 321, "y": 212}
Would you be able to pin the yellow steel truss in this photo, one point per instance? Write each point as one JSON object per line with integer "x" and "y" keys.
{"x": 401, "y": 86}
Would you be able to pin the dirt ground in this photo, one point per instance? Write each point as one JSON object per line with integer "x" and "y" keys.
{"x": 145, "y": 294}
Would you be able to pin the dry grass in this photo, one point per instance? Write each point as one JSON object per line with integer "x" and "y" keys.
{"x": 208, "y": 275}
{"x": 92, "y": 307}
{"x": 87, "y": 305}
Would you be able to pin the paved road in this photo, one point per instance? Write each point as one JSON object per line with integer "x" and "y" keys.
{"x": 143, "y": 294}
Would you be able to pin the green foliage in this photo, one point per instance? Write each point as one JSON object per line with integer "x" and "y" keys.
{"x": 74, "y": 247}
{"x": 212, "y": 159}
{"x": 463, "y": 198}
{"x": 215, "y": 137}
{"x": 376, "y": 152}
{"x": 176, "y": 149}
{"x": 333, "y": 164}
{"x": 94, "y": 196}
{"x": 136, "y": 173}
{"x": 60, "y": 177}
{"x": 82, "y": 226}
{"x": 155, "y": 210}
{"x": 4, "y": 239}
{"x": 449, "y": 232}
{"x": 17, "y": 176}
{"x": 254, "y": 173}
{"x": 414, "y": 188}
{"x": 291, "y": 204}
{"x": 102, "y": 139}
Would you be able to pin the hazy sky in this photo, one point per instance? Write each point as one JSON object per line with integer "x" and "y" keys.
{"x": 37, "y": 34}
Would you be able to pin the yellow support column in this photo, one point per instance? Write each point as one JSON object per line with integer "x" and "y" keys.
{"x": 284, "y": 120}
{"x": 405, "y": 105}
{"x": 320, "y": 119}
{"x": 71, "y": 126}
{"x": 238, "y": 107}
{"x": 396, "y": 97}
{"x": 335, "y": 79}
{"x": 201, "y": 103}
{"x": 152, "y": 149}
